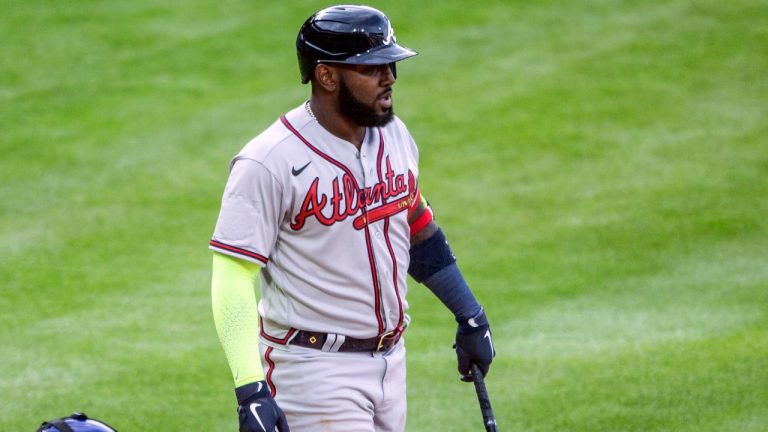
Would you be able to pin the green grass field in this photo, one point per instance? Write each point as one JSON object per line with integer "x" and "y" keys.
{"x": 601, "y": 168}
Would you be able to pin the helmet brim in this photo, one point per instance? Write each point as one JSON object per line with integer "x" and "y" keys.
{"x": 381, "y": 55}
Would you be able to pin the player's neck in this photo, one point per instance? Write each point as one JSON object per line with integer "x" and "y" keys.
{"x": 337, "y": 124}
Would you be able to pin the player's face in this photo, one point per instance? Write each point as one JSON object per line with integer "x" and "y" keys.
{"x": 365, "y": 94}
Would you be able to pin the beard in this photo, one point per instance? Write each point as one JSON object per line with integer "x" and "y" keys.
{"x": 360, "y": 113}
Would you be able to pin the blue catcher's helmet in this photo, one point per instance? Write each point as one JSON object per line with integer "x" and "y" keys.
{"x": 77, "y": 422}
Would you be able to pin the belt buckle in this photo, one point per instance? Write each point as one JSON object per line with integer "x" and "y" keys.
{"x": 388, "y": 339}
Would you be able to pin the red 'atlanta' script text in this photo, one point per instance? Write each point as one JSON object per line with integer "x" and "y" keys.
{"x": 348, "y": 200}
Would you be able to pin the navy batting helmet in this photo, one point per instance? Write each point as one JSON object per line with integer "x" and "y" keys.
{"x": 347, "y": 34}
{"x": 77, "y": 422}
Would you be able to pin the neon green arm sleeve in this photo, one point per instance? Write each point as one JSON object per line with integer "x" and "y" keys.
{"x": 234, "y": 296}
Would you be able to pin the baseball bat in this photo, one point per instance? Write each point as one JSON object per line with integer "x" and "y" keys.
{"x": 485, "y": 402}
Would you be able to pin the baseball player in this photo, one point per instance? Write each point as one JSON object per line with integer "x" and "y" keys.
{"x": 321, "y": 220}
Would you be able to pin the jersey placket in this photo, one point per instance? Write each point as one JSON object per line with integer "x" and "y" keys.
{"x": 368, "y": 165}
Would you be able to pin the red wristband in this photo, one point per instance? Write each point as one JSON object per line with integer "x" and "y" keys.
{"x": 422, "y": 222}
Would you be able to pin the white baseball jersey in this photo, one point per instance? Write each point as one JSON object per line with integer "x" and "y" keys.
{"x": 327, "y": 223}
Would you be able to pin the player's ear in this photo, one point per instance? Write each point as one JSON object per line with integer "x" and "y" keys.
{"x": 326, "y": 77}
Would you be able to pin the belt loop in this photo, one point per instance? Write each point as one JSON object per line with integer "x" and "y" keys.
{"x": 329, "y": 341}
{"x": 290, "y": 337}
{"x": 333, "y": 342}
{"x": 338, "y": 343}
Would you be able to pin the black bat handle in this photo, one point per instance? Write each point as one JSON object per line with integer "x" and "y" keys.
{"x": 482, "y": 396}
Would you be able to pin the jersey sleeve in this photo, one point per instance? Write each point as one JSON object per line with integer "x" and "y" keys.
{"x": 250, "y": 211}
{"x": 413, "y": 150}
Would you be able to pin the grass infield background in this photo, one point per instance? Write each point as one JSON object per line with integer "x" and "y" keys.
{"x": 601, "y": 168}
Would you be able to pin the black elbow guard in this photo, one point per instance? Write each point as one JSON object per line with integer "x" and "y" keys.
{"x": 430, "y": 256}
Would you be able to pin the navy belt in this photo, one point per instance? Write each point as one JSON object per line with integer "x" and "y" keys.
{"x": 338, "y": 343}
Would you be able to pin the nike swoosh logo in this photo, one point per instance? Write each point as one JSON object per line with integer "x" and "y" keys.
{"x": 255, "y": 414}
{"x": 490, "y": 341}
{"x": 296, "y": 172}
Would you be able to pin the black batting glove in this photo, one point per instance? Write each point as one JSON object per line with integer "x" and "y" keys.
{"x": 474, "y": 345}
{"x": 257, "y": 410}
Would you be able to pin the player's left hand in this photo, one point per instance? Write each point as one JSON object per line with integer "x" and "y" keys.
{"x": 258, "y": 411}
{"x": 474, "y": 345}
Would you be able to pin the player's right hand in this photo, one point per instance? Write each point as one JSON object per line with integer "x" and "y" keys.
{"x": 258, "y": 411}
